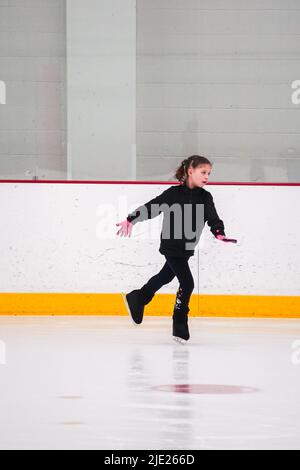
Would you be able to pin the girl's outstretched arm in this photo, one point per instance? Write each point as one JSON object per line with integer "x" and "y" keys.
{"x": 214, "y": 221}
{"x": 211, "y": 217}
{"x": 148, "y": 211}
{"x": 151, "y": 209}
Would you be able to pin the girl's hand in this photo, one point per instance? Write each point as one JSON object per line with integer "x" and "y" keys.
{"x": 126, "y": 228}
{"x": 224, "y": 239}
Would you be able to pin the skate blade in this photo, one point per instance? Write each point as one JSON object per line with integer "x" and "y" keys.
{"x": 128, "y": 309}
{"x": 179, "y": 340}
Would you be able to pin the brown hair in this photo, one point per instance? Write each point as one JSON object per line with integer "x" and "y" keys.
{"x": 193, "y": 161}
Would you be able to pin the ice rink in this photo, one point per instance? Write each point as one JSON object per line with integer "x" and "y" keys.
{"x": 102, "y": 383}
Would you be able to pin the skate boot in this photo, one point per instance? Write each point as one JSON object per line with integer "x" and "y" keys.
{"x": 181, "y": 332}
{"x": 180, "y": 319}
{"x": 134, "y": 306}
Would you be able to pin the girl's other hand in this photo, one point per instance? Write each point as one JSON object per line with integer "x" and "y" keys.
{"x": 225, "y": 239}
{"x": 125, "y": 228}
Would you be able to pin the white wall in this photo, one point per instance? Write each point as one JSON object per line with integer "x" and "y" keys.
{"x": 32, "y": 65}
{"x": 214, "y": 78}
{"x": 101, "y": 88}
{"x": 53, "y": 240}
{"x": 100, "y": 36}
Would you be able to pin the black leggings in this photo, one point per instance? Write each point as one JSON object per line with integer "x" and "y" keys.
{"x": 174, "y": 267}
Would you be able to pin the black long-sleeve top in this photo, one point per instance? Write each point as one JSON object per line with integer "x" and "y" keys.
{"x": 185, "y": 211}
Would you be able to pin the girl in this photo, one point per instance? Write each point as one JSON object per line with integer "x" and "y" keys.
{"x": 176, "y": 245}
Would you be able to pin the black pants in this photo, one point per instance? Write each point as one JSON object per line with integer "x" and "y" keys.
{"x": 174, "y": 267}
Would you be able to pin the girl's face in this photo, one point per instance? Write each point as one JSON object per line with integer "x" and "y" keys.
{"x": 198, "y": 177}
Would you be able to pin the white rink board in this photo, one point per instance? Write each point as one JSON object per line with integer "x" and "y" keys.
{"x": 53, "y": 240}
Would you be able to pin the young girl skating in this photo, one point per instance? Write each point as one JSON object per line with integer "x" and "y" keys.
{"x": 186, "y": 207}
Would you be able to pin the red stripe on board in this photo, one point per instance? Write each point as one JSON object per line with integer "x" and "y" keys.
{"x": 218, "y": 183}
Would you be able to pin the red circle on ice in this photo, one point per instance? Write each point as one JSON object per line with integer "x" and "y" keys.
{"x": 206, "y": 389}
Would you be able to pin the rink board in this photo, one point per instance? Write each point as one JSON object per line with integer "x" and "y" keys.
{"x": 161, "y": 305}
{"x": 60, "y": 254}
